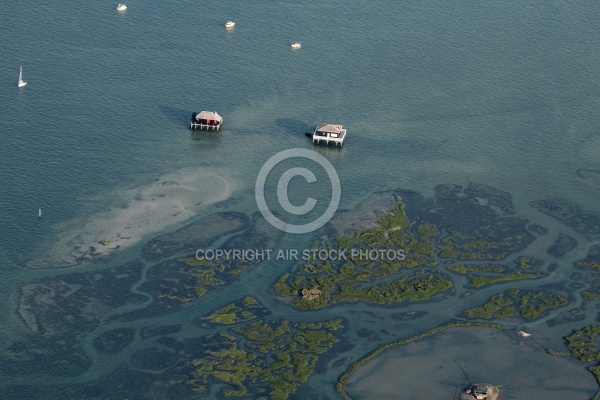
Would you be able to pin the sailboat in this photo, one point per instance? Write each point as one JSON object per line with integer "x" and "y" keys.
{"x": 21, "y": 82}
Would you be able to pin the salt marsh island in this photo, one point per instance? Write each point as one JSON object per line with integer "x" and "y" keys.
{"x": 465, "y": 248}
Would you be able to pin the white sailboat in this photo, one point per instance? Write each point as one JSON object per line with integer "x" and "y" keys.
{"x": 21, "y": 81}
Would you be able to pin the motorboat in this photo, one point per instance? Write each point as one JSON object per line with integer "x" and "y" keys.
{"x": 229, "y": 24}
{"x": 121, "y": 7}
{"x": 296, "y": 45}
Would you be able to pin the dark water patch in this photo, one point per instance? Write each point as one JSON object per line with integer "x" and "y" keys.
{"x": 552, "y": 267}
{"x": 408, "y": 316}
{"x": 309, "y": 393}
{"x": 369, "y": 334}
{"x": 54, "y": 356}
{"x": 122, "y": 383}
{"x": 364, "y": 216}
{"x": 575, "y": 286}
{"x": 175, "y": 283}
{"x": 176, "y": 115}
{"x": 152, "y": 331}
{"x": 566, "y": 317}
{"x": 154, "y": 359}
{"x": 173, "y": 288}
{"x": 115, "y": 340}
{"x": 339, "y": 363}
{"x": 166, "y": 293}
{"x": 260, "y": 234}
{"x": 341, "y": 347}
{"x": 479, "y": 221}
{"x": 475, "y": 195}
{"x": 71, "y": 303}
{"x": 197, "y": 235}
{"x": 175, "y": 344}
{"x": 576, "y": 276}
{"x": 570, "y": 214}
{"x": 562, "y": 246}
{"x": 293, "y": 126}
{"x": 60, "y": 311}
{"x": 561, "y": 286}
{"x": 592, "y": 174}
{"x": 492, "y": 197}
{"x": 537, "y": 229}
{"x": 372, "y": 314}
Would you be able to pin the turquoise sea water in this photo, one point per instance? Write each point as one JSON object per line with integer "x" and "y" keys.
{"x": 499, "y": 93}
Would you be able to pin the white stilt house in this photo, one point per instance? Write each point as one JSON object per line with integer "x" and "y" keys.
{"x": 329, "y": 133}
{"x": 209, "y": 120}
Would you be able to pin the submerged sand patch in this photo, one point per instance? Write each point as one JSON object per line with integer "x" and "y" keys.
{"x": 442, "y": 365}
{"x": 135, "y": 213}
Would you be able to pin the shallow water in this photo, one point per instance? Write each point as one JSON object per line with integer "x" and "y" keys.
{"x": 453, "y": 360}
{"x": 430, "y": 93}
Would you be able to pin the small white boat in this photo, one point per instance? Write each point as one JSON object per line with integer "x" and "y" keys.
{"x": 21, "y": 81}
{"x": 229, "y": 24}
{"x": 524, "y": 334}
{"x": 296, "y": 45}
{"x": 121, "y": 7}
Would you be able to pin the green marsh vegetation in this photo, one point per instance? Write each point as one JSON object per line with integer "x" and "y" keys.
{"x": 196, "y": 277}
{"x": 466, "y": 269}
{"x": 583, "y": 344}
{"x": 590, "y": 264}
{"x": 417, "y": 277}
{"x": 500, "y": 271}
{"x": 478, "y": 281}
{"x": 590, "y": 295}
{"x": 233, "y": 313}
{"x": 381, "y": 280}
{"x": 592, "y": 260}
{"x": 525, "y": 304}
{"x": 463, "y": 246}
{"x": 255, "y": 357}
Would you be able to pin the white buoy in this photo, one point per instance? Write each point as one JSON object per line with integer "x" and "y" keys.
{"x": 40, "y": 213}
